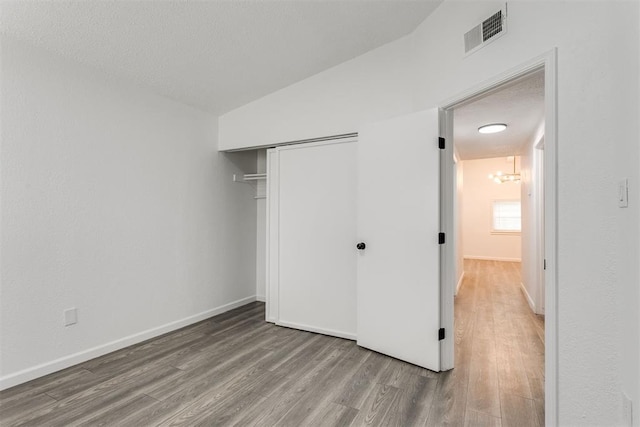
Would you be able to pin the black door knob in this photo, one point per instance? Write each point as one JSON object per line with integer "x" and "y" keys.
{"x": 361, "y": 246}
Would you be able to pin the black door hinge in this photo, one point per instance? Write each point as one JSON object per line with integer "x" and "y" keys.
{"x": 441, "y": 238}
{"x": 441, "y": 143}
{"x": 440, "y": 334}
{"x": 544, "y": 264}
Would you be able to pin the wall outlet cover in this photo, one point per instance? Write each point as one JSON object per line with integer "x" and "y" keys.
{"x": 70, "y": 316}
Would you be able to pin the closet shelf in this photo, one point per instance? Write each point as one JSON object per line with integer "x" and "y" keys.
{"x": 249, "y": 177}
{"x": 254, "y": 176}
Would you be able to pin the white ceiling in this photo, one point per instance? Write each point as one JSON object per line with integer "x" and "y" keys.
{"x": 214, "y": 55}
{"x": 520, "y": 105}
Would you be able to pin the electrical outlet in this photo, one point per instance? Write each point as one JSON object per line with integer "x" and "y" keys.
{"x": 70, "y": 316}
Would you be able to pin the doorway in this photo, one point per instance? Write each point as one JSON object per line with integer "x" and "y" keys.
{"x": 537, "y": 159}
{"x": 502, "y": 341}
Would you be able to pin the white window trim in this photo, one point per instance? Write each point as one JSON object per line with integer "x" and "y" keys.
{"x": 506, "y": 232}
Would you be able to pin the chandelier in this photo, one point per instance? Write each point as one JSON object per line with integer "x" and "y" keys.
{"x": 499, "y": 177}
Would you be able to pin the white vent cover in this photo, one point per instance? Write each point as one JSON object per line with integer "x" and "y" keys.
{"x": 487, "y": 31}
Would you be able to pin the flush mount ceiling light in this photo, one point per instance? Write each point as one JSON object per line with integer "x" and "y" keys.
{"x": 492, "y": 128}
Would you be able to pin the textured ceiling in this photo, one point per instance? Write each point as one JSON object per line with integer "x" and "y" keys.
{"x": 520, "y": 105}
{"x": 214, "y": 55}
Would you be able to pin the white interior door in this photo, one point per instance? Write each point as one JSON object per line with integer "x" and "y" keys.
{"x": 398, "y": 220}
{"x": 312, "y": 229}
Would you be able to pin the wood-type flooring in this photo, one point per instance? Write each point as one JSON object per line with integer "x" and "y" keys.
{"x": 236, "y": 369}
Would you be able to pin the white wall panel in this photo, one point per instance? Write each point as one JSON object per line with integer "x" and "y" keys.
{"x": 114, "y": 201}
{"x": 478, "y": 194}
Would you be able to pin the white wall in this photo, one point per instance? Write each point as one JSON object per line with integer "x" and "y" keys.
{"x": 114, "y": 201}
{"x": 478, "y": 194}
{"x": 627, "y": 222}
{"x": 632, "y": 363}
{"x": 374, "y": 86}
{"x": 598, "y": 243}
{"x": 532, "y": 231}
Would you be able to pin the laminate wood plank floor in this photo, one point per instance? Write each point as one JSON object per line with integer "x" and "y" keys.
{"x": 236, "y": 369}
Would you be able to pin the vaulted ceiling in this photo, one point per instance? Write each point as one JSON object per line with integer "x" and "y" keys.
{"x": 214, "y": 55}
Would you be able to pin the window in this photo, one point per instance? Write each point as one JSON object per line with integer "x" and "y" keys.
{"x": 506, "y": 216}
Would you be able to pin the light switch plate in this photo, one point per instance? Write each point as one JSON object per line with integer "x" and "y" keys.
{"x": 623, "y": 193}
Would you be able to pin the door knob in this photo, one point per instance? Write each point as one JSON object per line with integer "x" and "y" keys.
{"x": 361, "y": 246}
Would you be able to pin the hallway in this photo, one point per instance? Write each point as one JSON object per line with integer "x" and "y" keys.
{"x": 499, "y": 374}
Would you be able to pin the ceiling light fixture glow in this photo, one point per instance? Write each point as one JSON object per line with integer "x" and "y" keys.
{"x": 492, "y": 128}
{"x": 500, "y": 177}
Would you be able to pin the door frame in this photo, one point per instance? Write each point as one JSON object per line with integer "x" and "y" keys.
{"x": 548, "y": 63}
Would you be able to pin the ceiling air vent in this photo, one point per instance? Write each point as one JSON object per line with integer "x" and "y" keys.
{"x": 487, "y": 31}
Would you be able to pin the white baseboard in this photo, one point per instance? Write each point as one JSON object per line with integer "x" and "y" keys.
{"x": 528, "y": 297}
{"x": 261, "y": 298}
{"x": 491, "y": 258}
{"x": 339, "y": 334}
{"x": 82, "y": 356}
{"x": 459, "y": 283}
